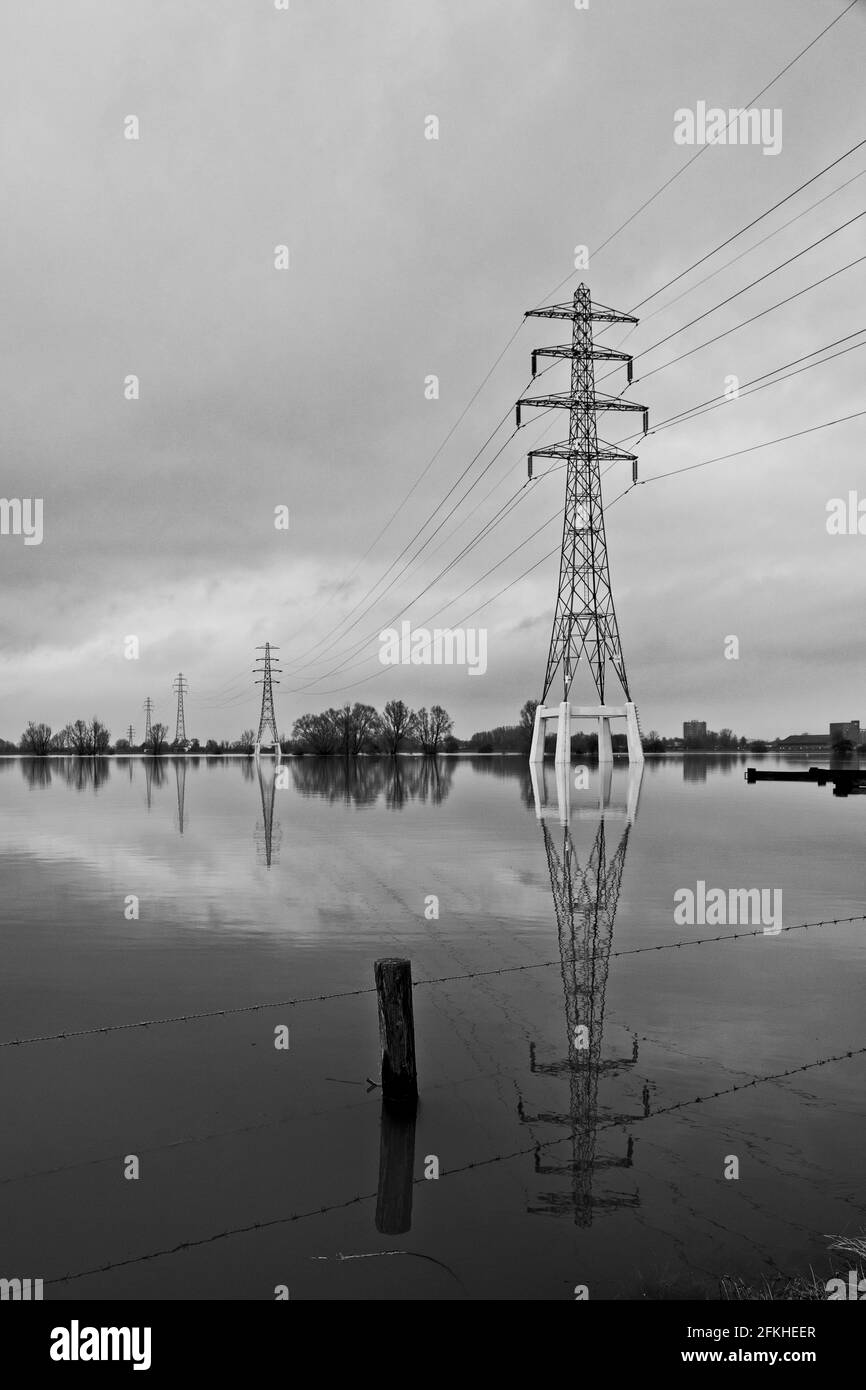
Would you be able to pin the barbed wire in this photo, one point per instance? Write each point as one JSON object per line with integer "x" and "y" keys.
{"x": 417, "y": 984}
{"x": 533, "y": 1148}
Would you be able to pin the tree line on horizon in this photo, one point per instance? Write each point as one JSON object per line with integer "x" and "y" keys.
{"x": 351, "y": 730}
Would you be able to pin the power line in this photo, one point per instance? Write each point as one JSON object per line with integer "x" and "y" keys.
{"x": 470, "y": 545}
{"x": 341, "y": 665}
{"x": 555, "y": 551}
{"x": 771, "y": 309}
{"x": 357, "y": 646}
{"x": 774, "y": 271}
{"x": 703, "y": 149}
{"x": 737, "y": 453}
{"x": 597, "y": 251}
{"x": 425, "y": 470}
{"x": 701, "y": 260}
{"x": 693, "y": 412}
{"x": 299, "y": 666}
{"x": 749, "y": 249}
{"x": 749, "y": 225}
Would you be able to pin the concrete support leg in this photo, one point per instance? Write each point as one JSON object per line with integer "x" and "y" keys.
{"x": 635, "y": 747}
{"x": 536, "y": 776}
{"x": 605, "y": 747}
{"x": 563, "y": 734}
{"x": 536, "y": 748}
{"x": 258, "y": 749}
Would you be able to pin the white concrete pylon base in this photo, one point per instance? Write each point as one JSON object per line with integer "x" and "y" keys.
{"x": 277, "y": 751}
{"x": 566, "y": 712}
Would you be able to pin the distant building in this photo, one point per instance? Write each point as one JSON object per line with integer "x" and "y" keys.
{"x": 805, "y": 743}
{"x": 694, "y": 729}
{"x": 849, "y": 730}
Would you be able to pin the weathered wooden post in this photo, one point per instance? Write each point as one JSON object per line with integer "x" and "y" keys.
{"x": 396, "y": 1029}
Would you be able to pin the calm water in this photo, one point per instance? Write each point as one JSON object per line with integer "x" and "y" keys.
{"x": 250, "y": 893}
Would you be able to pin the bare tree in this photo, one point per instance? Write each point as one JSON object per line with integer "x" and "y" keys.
{"x": 247, "y": 741}
{"x": 99, "y": 737}
{"x": 432, "y": 728}
{"x": 396, "y": 725}
{"x": 316, "y": 733}
{"x": 158, "y": 738}
{"x": 342, "y": 721}
{"x": 36, "y": 739}
{"x": 78, "y": 738}
{"x": 354, "y": 727}
{"x": 365, "y": 726}
{"x": 527, "y": 721}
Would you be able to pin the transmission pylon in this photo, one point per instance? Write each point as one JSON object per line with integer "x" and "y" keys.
{"x": 268, "y": 718}
{"x": 584, "y": 622}
{"x": 180, "y": 686}
{"x": 130, "y": 736}
{"x": 148, "y": 711}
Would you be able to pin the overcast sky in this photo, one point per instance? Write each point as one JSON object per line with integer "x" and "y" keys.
{"x": 409, "y": 257}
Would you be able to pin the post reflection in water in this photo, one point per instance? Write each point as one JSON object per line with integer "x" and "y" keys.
{"x": 396, "y": 1167}
{"x": 585, "y": 896}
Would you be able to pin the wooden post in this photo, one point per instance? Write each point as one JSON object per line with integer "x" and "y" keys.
{"x": 396, "y": 1029}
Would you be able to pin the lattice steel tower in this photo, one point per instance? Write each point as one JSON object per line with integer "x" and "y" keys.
{"x": 268, "y": 718}
{"x": 584, "y": 621}
{"x": 148, "y": 711}
{"x": 180, "y": 687}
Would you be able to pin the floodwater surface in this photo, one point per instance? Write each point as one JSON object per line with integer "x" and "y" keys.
{"x": 600, "y": 1113}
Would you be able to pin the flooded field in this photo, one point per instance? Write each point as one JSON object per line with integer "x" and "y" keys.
{"x": 583, "y": 1094}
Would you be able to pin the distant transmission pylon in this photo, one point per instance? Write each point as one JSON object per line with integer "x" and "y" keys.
{"x": 130, "y": 736}
{"x": 585, "y": 619}
{"x": 180, "y": 686}
{"x": 148, "y": 711}
{"x": 268, "y": 718}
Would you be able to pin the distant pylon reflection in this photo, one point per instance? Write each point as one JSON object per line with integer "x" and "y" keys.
{"x": 267, "y": 834}
{"x": 180, "y": 777}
